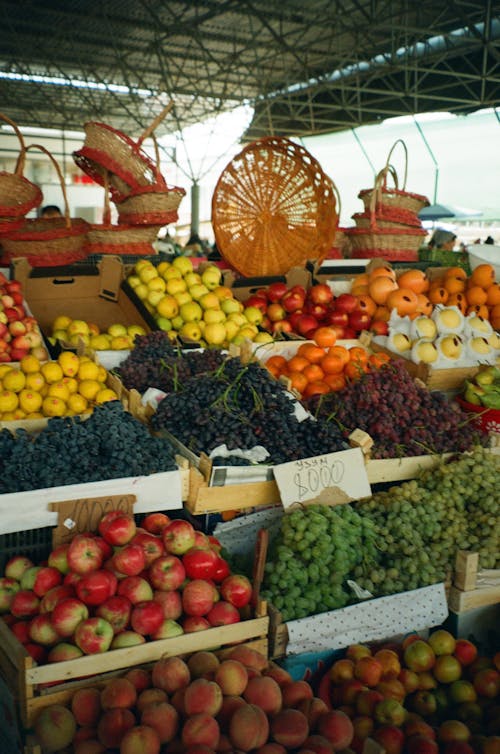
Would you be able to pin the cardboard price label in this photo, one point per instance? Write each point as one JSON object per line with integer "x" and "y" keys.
{"x": 332, "y": 479}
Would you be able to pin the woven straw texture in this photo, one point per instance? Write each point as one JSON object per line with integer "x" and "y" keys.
{"x": 48, "y": 241}
{"x": 273, "y": 207}
{"x": 17, "y": 195}
{"x": 151, "y": 207}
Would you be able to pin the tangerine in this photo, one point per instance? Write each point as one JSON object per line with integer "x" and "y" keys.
{"x": 277, "y": 362}
{"x": 483, "y": 275}
{"x": 325, "y": 337}
{"x": 313, "y": 373}
{"x": 319, "y": 387}
{"x": 335, "y": 382}
{"x": 332, "y": 364}
{"x": 378, "y": 359}
{"x": 298, "y": 381}
{"x": 476, "y": 295}
{"x": 355, "y": 370}
{"x": 356, "y": 353}
{"x": 416, "y": 280}
{"x": 341, "y": 352}
{"x": 297, "y": 364}
{"x": 311, "y": 352}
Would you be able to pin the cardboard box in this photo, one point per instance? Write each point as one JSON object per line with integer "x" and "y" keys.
{"x": 242, "y": 287}
{"x": 94, "y": 294}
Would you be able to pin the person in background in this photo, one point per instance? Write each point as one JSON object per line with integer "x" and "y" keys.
{"x": 443, "y": 240}
{"x": 490, "y": 241}
{"x": 50, "y": 210}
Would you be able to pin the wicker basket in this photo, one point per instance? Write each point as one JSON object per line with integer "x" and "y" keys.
{"x": 394, "y": 198}
{"x": 110, "y": 153}
{"x": 387, "y": 217}
{"x": 273, "y": 207}
{"x": 48, "y": 242}
{"x": 18, "y": 196}
{"x": 393, "y": 244}
{"x": 151, "y": 206}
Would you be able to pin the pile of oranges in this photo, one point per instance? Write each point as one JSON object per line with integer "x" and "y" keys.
{"x": 412, "y": 293}
{"x": 315, "y": 369}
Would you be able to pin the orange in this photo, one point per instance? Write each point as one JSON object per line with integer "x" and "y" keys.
{"x": 298, "y": 381}
{"x": 415, "y": 280}
{"x": 274, "y": 370}
{"x": 325, "y": 337}
{"x": 493, "y": 294}
{"x": 332, "y": 364}
{"x": 335, "y": 382}
{"x": 454, "y": 284}
{"x": 311, "y": 352}
{"x": 316, "y": 388}
{"x": 341, "y": 352}
{"x": 355, "y": 369}
{"x": 438, "y": 295}
{"x": 480, "y": 309}
{"x": 297, "y": 364}
{"x": 456, "y": 272}
{"x": 356, "y": 353}
{"x": 313, "y": 373}
{"x": 476, "y": 295}
{"x": 380, "y": 288}
{"x": 483, "y": 275}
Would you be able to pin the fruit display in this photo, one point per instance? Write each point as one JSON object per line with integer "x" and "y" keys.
{"x": 402, "y": 417}
{"x": 120, "y": 587}
{"x": 69, "y": 386}
{"x": 68, "y": 331}
{"x": 484, "y": 388}
{"x": 397, "y": 540}
{"x": 19, "y": 332}
{"x": 243, "y": 406}
{"x": 316, "y": 370}
{"x": 110, "y": 444}
{"x": 418, "y": 695}
{"x": 300, "y": 311}
{"x": 195, "y": 306}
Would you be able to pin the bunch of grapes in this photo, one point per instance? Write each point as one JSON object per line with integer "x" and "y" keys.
{"x": 402, "y": 416}
{"x": 421, "y": 524}
{"x": 108, "y": 445}
{"x": 243, "y": 406}
{"x": 312, "y": 556}
{"x": 154, "y": 362}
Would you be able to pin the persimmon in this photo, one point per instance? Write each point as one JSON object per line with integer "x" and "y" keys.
{"x": 278, "y": 362}
{"x": 454, "y": 284}
{"x": 298, "y": 381}
{"x": 313, "y": 372}
{"x": 297, "y": 364}
{"x": 362, "y": 279}
{"x": 311, "y": 352}
{"x": 476, "y": 295}
{"x": 416, "y": 280}
{"x": 404, "y": 301}
{"x": 316, "y": 388}
{"x": 483, "y": 275}
{"x": 380, "y": 288}
{"x": 480, "y": 309}
{"x": 493, "y": 294}
{"x": 456, "y": 272}
{"x": 332, "y": 364}
{"x": 458, "y": 300}
{"x": 424, "y": 306}
{"x": 360, "y": 290}
{"x": 335, "y": 382}
{"x": 366, "y": 304}
{"x": 438, "y": 295}
{"x": 382, "y": 314}
{"x": 325, "y": 337}
{"x": 342, "y": 352}
{"x": 384, "y": 270}
{"x": 356, "y": 353}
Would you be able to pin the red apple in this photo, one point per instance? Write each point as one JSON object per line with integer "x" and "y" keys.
{"x": 136, "y": 589}
{"x": 319, "y": 311}
{"x": 276, "y": 291}
{"x": 41, "y": 579}
{"x": 117, "y": 527}
{"x": 275, "y": 312}
{"x": 171, "y": 603}
{"x": 359, "y": 320}
{"x": 198, "y": 597}
{"x": 178, "y": 536}
{"x": 24, "y": 604}
{"x": 166, "y": 573}
{"x": 67, "y": 614}
{"x": 8, "y": 589}
{"x": 154, "y": 523}
{"x": 84, "y": 554}
{"x": 293, "y": 300}
{"x": 306, "y": 324}
{"x": 94, "y": 588}
{"x": 337, "y": 317}
{"x": 116, "y": 610}
{"x": 222, "y": 614}
{"x": 94, "y": 635}
{"x": 379, "y": 327}
{"x": 146, "y": 617}
{"x": 259, "y": 302}
{"x": 237, "y": 590}
{"x": 321, "y": 293}
{"x": 221, "y": 570}
{"x": 129, "y": 560}
{"x": 465, "y": 651}
{"x": 282, "y": 326}
{"x": 152, "y": 546}
{"x": 200, "y": 563}
{"x": 58, "y": 558}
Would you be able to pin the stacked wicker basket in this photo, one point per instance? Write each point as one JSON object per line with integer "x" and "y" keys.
{"x": 134, "y": 183}
{"x": 389, "y": 226}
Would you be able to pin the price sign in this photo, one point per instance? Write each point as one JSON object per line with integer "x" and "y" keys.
{"x": 333, "y": 478}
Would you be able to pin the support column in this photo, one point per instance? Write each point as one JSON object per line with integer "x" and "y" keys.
{"x": 195, "y": 209}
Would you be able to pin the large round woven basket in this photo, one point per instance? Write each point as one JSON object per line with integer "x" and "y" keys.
{"x": 17, "y": 195}
{"x": 273, "y": 207}
{"x": 45, "y": 241}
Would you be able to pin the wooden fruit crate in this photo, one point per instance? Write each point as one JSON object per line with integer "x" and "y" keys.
{"x": 473, "y": 588}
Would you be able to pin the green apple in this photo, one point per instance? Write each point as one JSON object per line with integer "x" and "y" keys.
{"x": 164, "y": 324}
{"x": 191, "y": 312}
{"x": 231, "y": 305}
{"x": 177, "y": 322}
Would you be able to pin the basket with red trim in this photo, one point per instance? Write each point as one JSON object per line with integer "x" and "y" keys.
{"x": 48, "y": 241}
{"x": 151, "y": 206}
{"x": 18, "y": 196}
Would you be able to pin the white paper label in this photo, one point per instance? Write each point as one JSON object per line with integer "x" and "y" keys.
{"x": 332, "y": 478}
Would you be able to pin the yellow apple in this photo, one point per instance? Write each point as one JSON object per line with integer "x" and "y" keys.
{"x": 253, "y": 315}
{"x": 141, "y": 291}
{"x": 172, "y": 272}
{"x": 167, "y": 307}
{"x": 134, "y": 330}
{"x": 156, "y": 284}
{"x": 209, "y": 301}
{"x": 117, "y": 329}
{"x": 192, "y": 278}
{"x": 215, "y": 333}
{"x": 231, "y": 305}
{"x": 211, "y": 277}
{"x": 191, "y": 312}
{"x": 191, "y": 331}
{"x": 183, "y": 297}
{"x": 154, "y": 297}
{"x": 222, "y": 291}
{"x": 147, "y": 273}
{"x": 176, "y": 285}
{"x": 184, "y": 264}
{"x": 197, "y": 291}
{"x": 212, "y": 316}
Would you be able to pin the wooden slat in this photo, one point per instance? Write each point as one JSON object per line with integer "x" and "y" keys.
{"x": 399, "y": 469}
{"x": 205, "y": 499}
{"x": 459, "y": 601}
{"x": 466, "y": 565}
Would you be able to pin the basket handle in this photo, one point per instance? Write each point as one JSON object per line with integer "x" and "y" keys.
{"x": 405, "y": 150}
{"x": 106, "y": 218}
{"x": 155, "y": 123}
{"x": 376, "y": 196}
{"x": 22, "y": 155}
{"x": 59, "y": 175}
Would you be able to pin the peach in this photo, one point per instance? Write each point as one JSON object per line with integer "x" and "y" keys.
{"x": 392, "y": 689}
{"x": 229, "y": 706}
{"x": 248, "y": 657}
{"x": 84, "y": 734}
{"x": 202, "y": 696}
{"x": 89, "y": 746}
{"x": 392, "y": 739}
{"x": 391, "y": 667}
{"x": 195, "y": 749}
{"x": 271, "y": 749}
{"x": 140, "y": 678}
{"x": 120, "y": 692}
{"x": 150, "y": 696}
{"x": 55, "y": 727}
{"x": 418, "y": 727}
{"x": 141, "y": 739}
{"x": 202, "y": 663}
{"x": 355, "y": 651}
{"x": 421, "y": 745}
{"x": 349, "y": 690}
{"x": 342, "y": 670}
{"x": 248, "y": 728}
{"x": 313, "y": 709}
{"x": 224, "y": 744}
{"x": 368, "y": 670}
{"x": 294, "y": 692}
{"x": 491, "y": 745}
{"x": 232, "y": 677}
{"x": 363, "y": 726}
{"x": 290, "y": 728}
{"x": 409, "y": 679}
{"x": 170, "y": 674}
{"x": 453, "y": 730}
{"x": 366, "y": 701}
{"x": 265, "y": 693}
{"x": 164, "y": 718}
{"x": 280, "y": 675}
{"x": 318, "y": 744}
{"x": 86, "y": 706}
{"x": 113, "y": 725}
{"x": 337, "y": 728}
{"x": 200, "y": 729}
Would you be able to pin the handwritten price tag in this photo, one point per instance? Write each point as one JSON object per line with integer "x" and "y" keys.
{"x": 333, "y": 479}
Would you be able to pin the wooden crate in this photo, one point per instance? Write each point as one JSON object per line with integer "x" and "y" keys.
{"x": 26, "y": 679}
{"x": 473, "y": 588}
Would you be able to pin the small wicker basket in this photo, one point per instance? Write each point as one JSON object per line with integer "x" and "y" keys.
{"x": 273, "y": 207}
{"x": 47, "y": 242}
{"x": 151, "y": 206}
{"x": 18, "y": 196}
